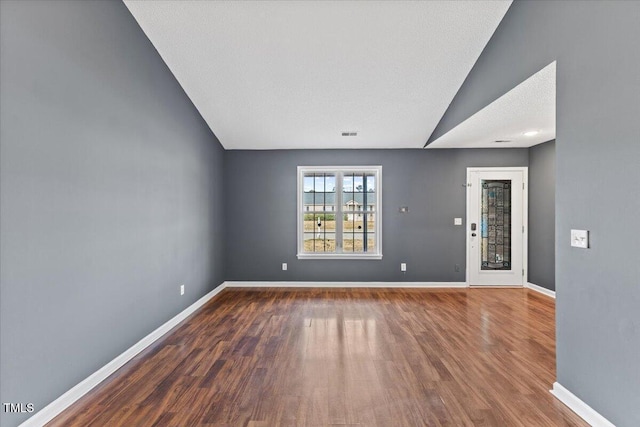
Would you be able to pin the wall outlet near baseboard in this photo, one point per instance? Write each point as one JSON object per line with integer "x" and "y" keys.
{"x": 181, "y": 289}
{"x": 403, "y": 266}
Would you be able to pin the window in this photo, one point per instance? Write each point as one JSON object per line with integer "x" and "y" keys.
{"x": 339, "y": 212}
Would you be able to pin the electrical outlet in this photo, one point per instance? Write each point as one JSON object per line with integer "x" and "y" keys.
{"x": 403, "y": 266}
{"x": 456, "y": 268}
{"x": 181, "y": 289}
{"x": 457, "y": 221}
{"x": 284, "y": 266}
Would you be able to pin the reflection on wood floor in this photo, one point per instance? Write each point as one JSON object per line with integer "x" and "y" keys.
{"x": 368, "y": 357}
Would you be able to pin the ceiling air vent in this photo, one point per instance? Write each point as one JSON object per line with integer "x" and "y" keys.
{"x": 501, "y": 141}
{"x": 349, "y": 133}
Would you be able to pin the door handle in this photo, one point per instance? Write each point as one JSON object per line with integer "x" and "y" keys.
{"x": 473, "y": 234}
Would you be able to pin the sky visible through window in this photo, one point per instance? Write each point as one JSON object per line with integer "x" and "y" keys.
{"x": 328, "y": 183}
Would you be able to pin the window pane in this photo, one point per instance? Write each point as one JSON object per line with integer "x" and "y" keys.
{"x": 358, "y": 205}
{"x": 320, "y": 182}
{"x": 354, "y": 243}
{"x": 358, "y": 228}
{"x": 359, "y": 202}
{"x": 371, "y": 223}
{"x": 358, "y": 192}
{"x": 368, "y": 201}
{"x": 319, "y": 192}
{"x": 319, "y": 232}
{"x": 371, "y": 182}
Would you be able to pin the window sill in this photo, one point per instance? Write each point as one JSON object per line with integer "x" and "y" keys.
{"x": 368, "y": 257}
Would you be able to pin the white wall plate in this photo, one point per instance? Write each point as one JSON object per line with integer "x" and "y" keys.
{"x": 580, "y": 239}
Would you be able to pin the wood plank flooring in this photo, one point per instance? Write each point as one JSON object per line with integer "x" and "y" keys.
{"x": 366, "y": 357}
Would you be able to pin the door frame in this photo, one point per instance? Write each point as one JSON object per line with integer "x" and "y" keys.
{"x": 525, "y": 218}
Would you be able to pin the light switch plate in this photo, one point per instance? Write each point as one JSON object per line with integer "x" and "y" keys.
{"x": 580, "y": 239}
{"x": 457, "y": 221}
{"x": 284, "y": 266}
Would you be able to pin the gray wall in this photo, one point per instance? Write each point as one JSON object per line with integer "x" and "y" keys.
{"x": 261, "y": 213}
{"x": 110, "y": 196}
{"x": 542, "y": 215}
{"x": 597, "y": 154}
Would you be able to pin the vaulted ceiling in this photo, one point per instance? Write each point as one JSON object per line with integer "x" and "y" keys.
{"x": 298, "y": 74}
{"x": 523, "y": 117}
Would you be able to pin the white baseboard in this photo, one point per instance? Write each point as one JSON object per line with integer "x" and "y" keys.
{"x": 53, "y": 409}
{"x": 251, "y": 284}
{"x": 540, "y": 289}
{"x": 574, "y": 403}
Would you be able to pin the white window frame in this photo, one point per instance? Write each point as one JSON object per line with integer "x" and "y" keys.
{"x": 339, "y": 171}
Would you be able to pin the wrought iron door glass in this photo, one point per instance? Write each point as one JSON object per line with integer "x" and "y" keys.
{"x": 495, "y": 225}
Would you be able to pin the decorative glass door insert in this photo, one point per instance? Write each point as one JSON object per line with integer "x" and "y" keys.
{"x": 495, "y": 225}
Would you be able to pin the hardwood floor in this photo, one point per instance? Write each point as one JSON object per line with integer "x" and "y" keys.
{"x": 368, "y": 357}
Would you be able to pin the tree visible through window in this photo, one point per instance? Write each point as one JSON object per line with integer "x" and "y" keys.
{"x": 339, "y": 212}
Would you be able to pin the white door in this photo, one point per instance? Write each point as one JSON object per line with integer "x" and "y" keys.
{"x": 496, "y": 226}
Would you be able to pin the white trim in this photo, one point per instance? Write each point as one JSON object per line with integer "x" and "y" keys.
{"x": 574, "y": 403}
{"x": 257, "y": 284}
{"x": 338, "y": 170}
{"x": 498, "y": 169}
{"x": 525, "y": 216}
{"x": 340, "y": 256}
{"x": 525, "y": 224}
{"x": 540, "y": 289}
{"x": 53, "y": 409}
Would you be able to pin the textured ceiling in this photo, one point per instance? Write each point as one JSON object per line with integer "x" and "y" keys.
{"x": 530, "y": 106}
{"x": 296, "y": 74}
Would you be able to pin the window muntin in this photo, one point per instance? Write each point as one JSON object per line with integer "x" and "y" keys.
{"x": 338, "y": 212}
